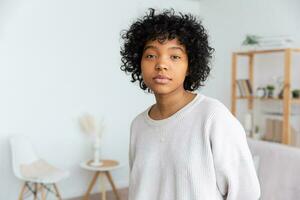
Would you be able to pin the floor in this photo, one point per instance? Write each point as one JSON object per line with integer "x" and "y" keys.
{"x": 123, "y": 192}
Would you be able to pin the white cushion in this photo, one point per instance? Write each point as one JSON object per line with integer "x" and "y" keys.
{"x": 37, "y": 169}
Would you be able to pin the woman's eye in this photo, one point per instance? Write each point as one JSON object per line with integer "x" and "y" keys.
{"x": 175, "y": 57}
{"x": 150, "y": 56}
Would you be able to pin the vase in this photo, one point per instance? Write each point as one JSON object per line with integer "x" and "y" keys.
{"x": 270, "y": 93}
{"x": 97, "y": 153}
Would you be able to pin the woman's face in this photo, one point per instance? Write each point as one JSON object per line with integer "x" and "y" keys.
{"x": 164, "y": 66}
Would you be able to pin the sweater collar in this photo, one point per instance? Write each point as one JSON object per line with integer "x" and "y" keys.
{"x": 175, "y": 117}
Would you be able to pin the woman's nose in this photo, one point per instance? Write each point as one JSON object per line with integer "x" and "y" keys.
{"x": 161, "y": 65}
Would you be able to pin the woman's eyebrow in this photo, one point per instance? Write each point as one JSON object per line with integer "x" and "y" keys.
{"x": 179, "y": 48}
{"x": 150, "y": 47}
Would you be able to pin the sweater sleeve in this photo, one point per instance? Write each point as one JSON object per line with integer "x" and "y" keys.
{"x": 130, "y": 153}
{"x": 235, "y": 172}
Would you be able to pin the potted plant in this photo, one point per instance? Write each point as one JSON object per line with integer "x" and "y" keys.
{"x": 270, "y": 90}
{"x": 296, "y": 93}
{"x": 251, "y": 40}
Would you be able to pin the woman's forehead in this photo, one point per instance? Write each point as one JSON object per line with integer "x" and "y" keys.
{"x": 165, "y": 43}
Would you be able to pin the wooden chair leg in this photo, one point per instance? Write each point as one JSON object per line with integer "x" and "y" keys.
{"x": 112, "y": 184}
{"x": 56, "y": 191}
{"x": 43, "y": 194}
{"x": 22, "y": 191}
{"x": 35, "y": 191}
{"x": 86, "y": 196}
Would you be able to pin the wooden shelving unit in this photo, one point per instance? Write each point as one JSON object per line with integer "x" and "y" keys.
{"x": 287, "y": 100}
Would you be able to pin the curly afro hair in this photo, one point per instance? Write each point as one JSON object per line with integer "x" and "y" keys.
{"x": 168, "y": 25}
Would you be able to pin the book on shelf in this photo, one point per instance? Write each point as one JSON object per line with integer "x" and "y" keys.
{"x": 274, "y": 129}
{"x": 245, "y": 87}
{"x": 241, "y": 90}
{"x": 269, "y": 130}
{"x": 277, "y": 127}
{"x": 249, "y": 86}
{"x": 275, "y": 41}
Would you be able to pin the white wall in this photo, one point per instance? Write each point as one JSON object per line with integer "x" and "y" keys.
{"x": 228, "y": 23}
{"x": 59, "y": 59}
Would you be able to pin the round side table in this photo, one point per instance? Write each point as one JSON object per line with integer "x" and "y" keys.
{"x": 102, "y": 171}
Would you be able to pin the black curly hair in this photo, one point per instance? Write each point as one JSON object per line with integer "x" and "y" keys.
{"x": 168, "y": 25}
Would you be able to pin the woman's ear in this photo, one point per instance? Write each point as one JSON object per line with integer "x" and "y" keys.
{"x": 187, "y": 72}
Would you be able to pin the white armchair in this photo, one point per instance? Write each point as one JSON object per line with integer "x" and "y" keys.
{"x": 278, "y": 170}
{"x": 39, "y": 176}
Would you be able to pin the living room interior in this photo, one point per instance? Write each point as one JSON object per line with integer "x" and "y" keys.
{"x": 64, "y": 95}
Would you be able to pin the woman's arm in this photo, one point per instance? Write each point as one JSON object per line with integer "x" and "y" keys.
{"x": 235, "y": 172}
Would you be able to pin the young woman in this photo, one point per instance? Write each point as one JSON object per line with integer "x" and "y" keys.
{"x": 187, "y": 146}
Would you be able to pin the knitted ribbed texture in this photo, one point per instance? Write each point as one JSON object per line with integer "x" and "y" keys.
{"x": 198, "y": 153}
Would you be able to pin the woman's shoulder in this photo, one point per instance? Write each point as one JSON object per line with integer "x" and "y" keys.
{"x": 209, "y": 105}
{"x": 140, "y": 118}
{"x": 220, "y": 120}
{"x": 213, "y": 112}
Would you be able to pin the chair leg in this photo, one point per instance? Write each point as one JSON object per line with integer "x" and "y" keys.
{"x": 56, "y": 191}
{"x": 35, "y": 191}
{"x": 43, "y": 194}
{"x": 22, "y": 191}
{"x": 112, "y": 184}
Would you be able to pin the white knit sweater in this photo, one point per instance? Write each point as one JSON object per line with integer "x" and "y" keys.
{"x": 199, "y": 153}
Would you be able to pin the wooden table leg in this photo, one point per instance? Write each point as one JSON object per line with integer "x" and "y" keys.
{"x": 102, "y": 185}
{"x": 112, "y": 184}
{"x": 86, "y": 196}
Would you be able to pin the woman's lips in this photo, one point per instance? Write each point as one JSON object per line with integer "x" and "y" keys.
{"x": 161, "y": 79}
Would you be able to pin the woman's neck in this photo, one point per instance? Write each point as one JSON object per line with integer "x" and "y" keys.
{"x": 167, "y": 105}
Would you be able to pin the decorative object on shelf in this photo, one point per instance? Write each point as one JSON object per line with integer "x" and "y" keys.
{"x": 296, "y": 93}
{"x": 270, "y": 91}
{"x": 256, "y": 134}
{"x": 280, "y": 95}
{"x": 276, "y": 41}
{"x": 279, "y": 85}
{"x": 261, "y": 92}
{"x": 251, "y": 40}
{"x": 248, "y": 123}
{"x": 266, "y": 42}
{"x": 88, "y": 125}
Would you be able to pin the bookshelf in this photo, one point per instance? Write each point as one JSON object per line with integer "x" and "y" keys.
{"x": 287, "y": 100}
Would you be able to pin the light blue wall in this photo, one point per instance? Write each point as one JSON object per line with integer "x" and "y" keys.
{"x": 60, "y": 59}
